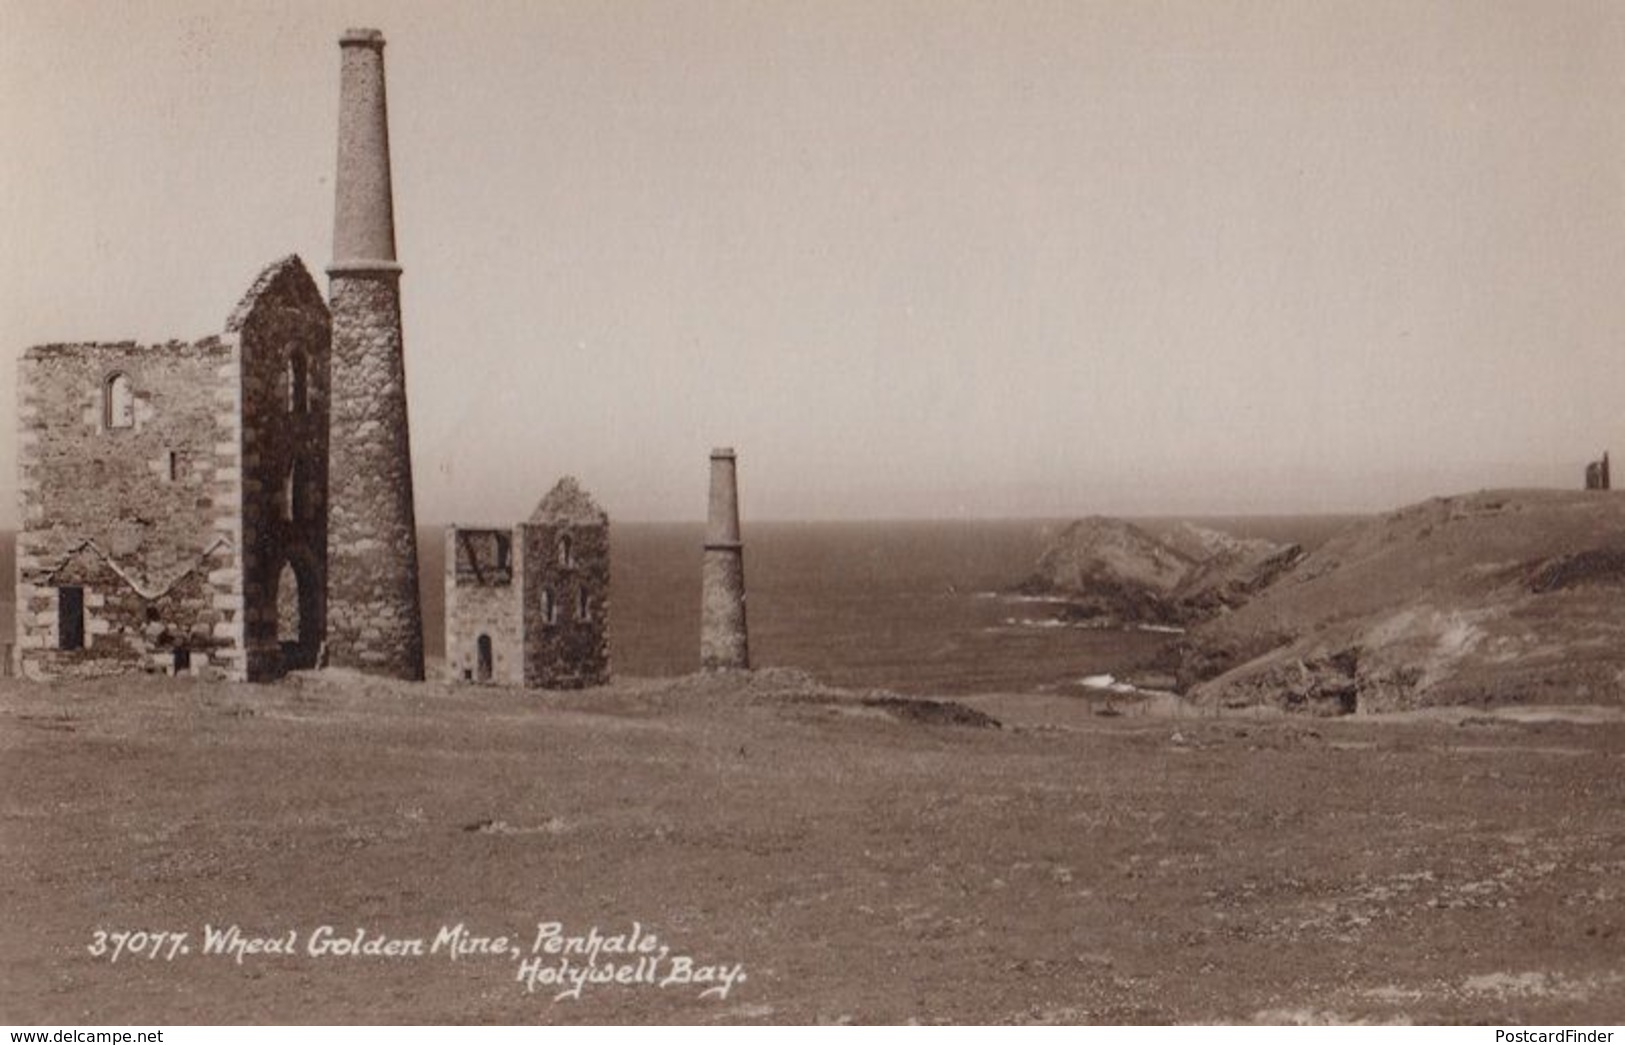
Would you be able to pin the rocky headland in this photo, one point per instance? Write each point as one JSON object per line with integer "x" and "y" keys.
{"x": 1118, "y": 573}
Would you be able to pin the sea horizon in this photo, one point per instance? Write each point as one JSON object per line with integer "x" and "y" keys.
{"x": 922, "y": 606}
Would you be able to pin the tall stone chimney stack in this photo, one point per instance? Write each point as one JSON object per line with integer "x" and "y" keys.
{"x": 723, "y": 644}
{"x": 374, "y": 620}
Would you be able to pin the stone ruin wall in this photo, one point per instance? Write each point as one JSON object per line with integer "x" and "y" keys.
{"x": 285, "y": 335}
{"x": 158, "y": 557}
{"x": 173, "y": 525}
{"x": 570, "y": 651}
{"x": 483, "y": 599}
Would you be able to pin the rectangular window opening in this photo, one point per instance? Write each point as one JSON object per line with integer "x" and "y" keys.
{"x": 70, "y": 618}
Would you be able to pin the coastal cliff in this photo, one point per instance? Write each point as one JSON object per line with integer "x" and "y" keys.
{"x": 1492, "y": 598}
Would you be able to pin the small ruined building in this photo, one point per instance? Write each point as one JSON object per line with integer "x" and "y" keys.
{"x": 173, "y": 496}
{"x": 530, "y": 606}
{"x": 1597, "y": 477}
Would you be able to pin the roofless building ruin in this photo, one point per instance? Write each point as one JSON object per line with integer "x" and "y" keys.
{"x": 174, "y": 496}
{"x": 529, "y": 606}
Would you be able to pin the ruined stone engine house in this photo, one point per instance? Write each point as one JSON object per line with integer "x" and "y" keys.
{"x": 174, "y": 496}
{"x": 242, "y": 506}
{"x": 529, "y": 606}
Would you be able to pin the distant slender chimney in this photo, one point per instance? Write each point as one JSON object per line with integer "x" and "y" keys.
{"x": 374, "y": 620}
{"x": 723, "y": 643}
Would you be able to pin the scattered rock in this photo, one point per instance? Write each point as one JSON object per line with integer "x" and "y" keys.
{"x": 932, "y": 712}
{"x": 1593, "y": 566}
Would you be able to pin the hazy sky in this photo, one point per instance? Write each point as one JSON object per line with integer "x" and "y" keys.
{"x": 910, "y": 258}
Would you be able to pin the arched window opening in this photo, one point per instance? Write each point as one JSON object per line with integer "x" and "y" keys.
{"x": 287, "y": 606}
{"x": 567, "y": 551}
{"x": 583, "y": 604}
{"x": 550, "y": 609}
{"x": 118, "y": 402}
{"x": 298, "y": 383}
{"x": 295, "y": 500}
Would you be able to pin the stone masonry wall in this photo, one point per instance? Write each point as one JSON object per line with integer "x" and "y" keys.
{"x": 482, "y": 598}
{"x": 570, "y": 650}
{"x": 374, "y": 621}
{"x": 284, "y": 329}
{"x": 143, "y": 517}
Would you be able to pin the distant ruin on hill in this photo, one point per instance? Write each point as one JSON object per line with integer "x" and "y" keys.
{"x": 1597, "y": 477}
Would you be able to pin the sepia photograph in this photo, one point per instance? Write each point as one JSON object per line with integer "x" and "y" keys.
{"x": 839, "y": 513}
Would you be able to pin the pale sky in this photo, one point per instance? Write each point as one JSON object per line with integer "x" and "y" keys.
{"x": 909, "y": 258}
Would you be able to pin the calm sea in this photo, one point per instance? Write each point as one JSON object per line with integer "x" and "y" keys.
{"x": 917, "y": 607}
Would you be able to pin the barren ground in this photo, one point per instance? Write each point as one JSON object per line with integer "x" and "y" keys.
{"x": 861, "y": 864}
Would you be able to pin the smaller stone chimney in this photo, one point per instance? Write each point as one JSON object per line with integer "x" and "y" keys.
{"x": 723, "y": 643}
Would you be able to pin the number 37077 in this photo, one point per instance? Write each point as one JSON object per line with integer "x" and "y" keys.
{"x": 138, "y": 944}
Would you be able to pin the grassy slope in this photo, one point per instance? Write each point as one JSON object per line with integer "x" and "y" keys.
{"x": 1063, "y": 868}
{"x": 1439, "y": 604}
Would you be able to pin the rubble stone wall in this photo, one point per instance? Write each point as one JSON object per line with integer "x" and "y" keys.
{"x": 130, "y": 488}
{"x": 482, "y": 598}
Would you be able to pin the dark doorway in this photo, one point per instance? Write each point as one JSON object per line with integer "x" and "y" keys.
{"x": 70, "y": 618}
{"x": 483, "y": 669}
{"x": 183, "y": 662}
{"x": 297, "y": 624}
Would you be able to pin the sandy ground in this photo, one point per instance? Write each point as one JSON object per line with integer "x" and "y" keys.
{"x": 855, "y": 862}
